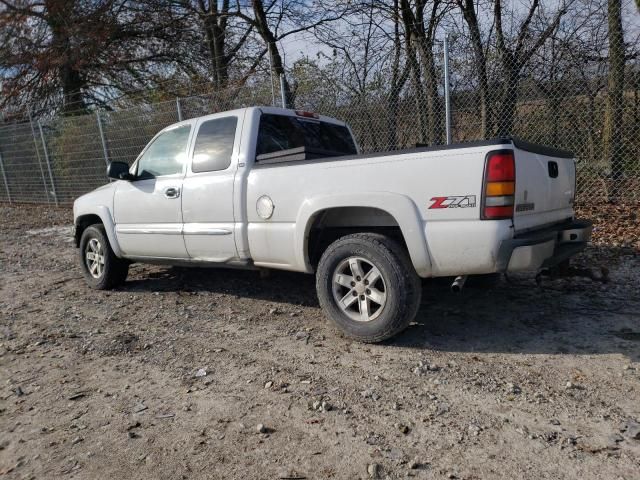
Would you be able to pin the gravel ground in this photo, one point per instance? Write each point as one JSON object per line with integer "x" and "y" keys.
{"x": 194, "y": 373}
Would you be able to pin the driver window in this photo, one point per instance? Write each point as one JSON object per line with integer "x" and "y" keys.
{"x": 166, "y": 155}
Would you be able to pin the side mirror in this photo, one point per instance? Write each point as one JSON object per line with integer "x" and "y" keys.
{"x": 119, "y": 171}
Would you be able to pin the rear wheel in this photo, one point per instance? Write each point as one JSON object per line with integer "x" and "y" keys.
{"x": 100, "y": 266}
{"x": 368, "y": 287}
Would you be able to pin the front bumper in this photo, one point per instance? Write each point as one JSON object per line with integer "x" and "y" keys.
{"x": 543, "y": 248}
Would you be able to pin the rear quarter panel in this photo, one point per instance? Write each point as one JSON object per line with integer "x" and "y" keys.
{"x": 454, "y": 238}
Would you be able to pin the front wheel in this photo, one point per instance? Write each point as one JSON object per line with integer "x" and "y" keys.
{"x": 368, "y": 287}
{"x": 100, "y": 266}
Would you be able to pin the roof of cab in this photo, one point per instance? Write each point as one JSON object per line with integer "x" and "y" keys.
{"x": 262, "y": 109}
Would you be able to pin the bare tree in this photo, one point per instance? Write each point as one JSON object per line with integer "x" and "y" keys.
{"x": 420, "y": 27}
{"x": 515, "y": 53}
{"x": 558, "y": 74}
{"x": 612, "y": 140}
{"x": 399, "y": 76}
{"x": 78, "y": 53}
{"x": 276, "y": 20}
{"x": 415, "y": 71}
{"x": 360, "y": 48}
{"x": 224, "y": 38}
{"x": 468, "y": 9}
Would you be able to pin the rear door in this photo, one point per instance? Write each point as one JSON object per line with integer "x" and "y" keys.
{"x": 545, "y": 188}
{"x": 207, "y": 200}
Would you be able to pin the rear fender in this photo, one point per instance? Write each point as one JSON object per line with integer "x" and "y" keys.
{"x": 400, "y": 207}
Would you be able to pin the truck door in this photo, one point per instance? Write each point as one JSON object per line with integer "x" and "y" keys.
{"x": 207, "y": 201}
{"x": 147, "y": 210}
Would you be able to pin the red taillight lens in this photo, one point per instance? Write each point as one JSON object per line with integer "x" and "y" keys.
{"x": 501, "y": 167}
{"x": 499, "y": 187}
{"x": 496, "y": 213}
{"x": 303, "y": 113}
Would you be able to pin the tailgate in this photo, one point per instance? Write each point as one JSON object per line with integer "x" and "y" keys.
{"x": 545, "y": 186}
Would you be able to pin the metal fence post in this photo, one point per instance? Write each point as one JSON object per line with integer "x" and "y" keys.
{"x": 4, "y": 177}
{"x": 447, "y": 93}
{"x": 35, "y": 144}
{"x": 179, "y": 109}
{"x": 46, "y": 157}
{"x": 102, "y": 139}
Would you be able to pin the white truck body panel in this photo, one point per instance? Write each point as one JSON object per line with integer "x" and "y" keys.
{"x": 419, "y": 176}
{"x": 551, "y": 197}
{"x": 208, "y": 207}
{"x": 142, "y": 211}
{"x": 214, "y": 219}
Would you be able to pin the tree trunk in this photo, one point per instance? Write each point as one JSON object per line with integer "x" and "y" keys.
{"x": 216, "y": 32}
{"x": 468, "y": 11}
{"x": 421, "y": 40}
{"x": 398, "y": 80}
{"x": 277, "y": 65}
{"x": 72, "y": 85}
{"x": 419, "y": 94}
{"x": 409, "y": 21}
{"x": 435, "y": 118}
{"x": 70, "y": 76}
{"x": 612, "y": 138}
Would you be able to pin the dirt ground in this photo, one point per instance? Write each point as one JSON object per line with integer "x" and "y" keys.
{"x": 516, "y": 381}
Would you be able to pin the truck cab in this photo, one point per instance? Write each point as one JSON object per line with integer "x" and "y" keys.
{"x": 183, "y": 197}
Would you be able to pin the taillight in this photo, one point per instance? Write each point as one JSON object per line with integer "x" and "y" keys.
{"x": 499, "y": 185}
{"x": 302, "y": 113}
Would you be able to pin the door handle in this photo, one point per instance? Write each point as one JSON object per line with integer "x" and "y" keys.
{"x": 172, "y": 192}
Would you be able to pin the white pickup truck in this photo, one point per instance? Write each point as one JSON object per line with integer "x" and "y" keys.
{"x": 265, "y": 187}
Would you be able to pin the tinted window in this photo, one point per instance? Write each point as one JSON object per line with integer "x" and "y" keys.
{"x": 280, "y": 132}
{"x": 214, "y": 145}
{"x": 166, "y": 155}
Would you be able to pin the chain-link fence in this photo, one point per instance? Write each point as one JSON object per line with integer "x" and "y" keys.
{"x": 566, "y": 104}
{"x": 56, "y": 160}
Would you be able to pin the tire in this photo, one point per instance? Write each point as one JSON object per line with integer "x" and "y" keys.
{"x": 100, "y": 275}
{"x": 384, "y": 316}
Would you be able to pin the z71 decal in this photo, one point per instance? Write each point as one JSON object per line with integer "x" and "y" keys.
{"x": 455, "y": 201}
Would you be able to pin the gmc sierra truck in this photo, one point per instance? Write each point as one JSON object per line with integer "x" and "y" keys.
{"x": 264, "y": 187}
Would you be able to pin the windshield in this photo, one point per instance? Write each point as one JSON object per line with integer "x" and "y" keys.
{"x": 283, "y": 132}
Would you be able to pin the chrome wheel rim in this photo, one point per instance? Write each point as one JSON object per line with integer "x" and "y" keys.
{"x": 94, "y": 258}
{"x": 359, "y": 289}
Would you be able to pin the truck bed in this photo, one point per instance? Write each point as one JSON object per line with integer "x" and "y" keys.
{"x": 304, "y": 154}
{"x": 441, "y": 187}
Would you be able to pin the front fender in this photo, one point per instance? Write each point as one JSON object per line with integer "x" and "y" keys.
{"x": 400, "y": 207}
{"x": 104, "y": 213}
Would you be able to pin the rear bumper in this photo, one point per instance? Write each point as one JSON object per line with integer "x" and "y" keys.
{"x": 543, "y": 248}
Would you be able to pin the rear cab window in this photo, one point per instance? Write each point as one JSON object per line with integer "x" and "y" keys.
{"x": 283, "y": 132}
{"x": 214, "y": 145}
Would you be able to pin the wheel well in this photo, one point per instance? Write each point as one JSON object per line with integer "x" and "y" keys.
{"x": 330, "y": 224}
{"x": 82, "y": 223}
